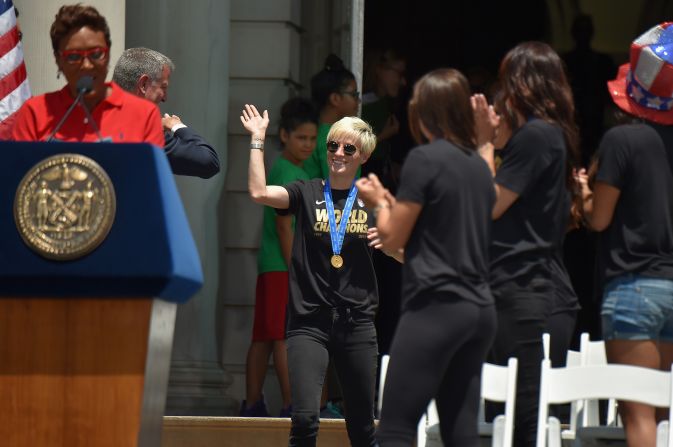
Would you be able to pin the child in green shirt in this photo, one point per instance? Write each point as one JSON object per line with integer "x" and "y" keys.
{"x": 298, "y": 130}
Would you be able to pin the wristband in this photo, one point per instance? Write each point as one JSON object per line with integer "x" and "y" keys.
{"x": 379, "y": 207}
{"x": 259, "y": 146}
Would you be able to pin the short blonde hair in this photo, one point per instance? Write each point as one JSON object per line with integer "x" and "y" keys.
{"x": 354, "y": 128}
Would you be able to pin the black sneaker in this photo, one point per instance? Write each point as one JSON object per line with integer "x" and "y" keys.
{"x": 258, "y": 409}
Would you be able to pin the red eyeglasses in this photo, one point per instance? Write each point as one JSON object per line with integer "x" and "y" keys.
{"x": 77, "y": 56}
{"x": 349, "y": 149}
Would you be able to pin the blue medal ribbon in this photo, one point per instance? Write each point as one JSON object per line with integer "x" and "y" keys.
{"x": 337, "y": 235}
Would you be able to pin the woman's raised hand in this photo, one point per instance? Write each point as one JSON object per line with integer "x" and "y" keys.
{"x": 254, "y": 122}
{"x": 486, "y": 121}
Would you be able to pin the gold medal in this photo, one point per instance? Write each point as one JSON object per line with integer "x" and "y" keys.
{"x": 337, "y": 261}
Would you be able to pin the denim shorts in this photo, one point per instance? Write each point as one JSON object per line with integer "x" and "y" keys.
{"x": 638, "y": 308}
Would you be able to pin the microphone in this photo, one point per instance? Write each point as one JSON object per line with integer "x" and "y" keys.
{"x": 89, "y": 118}
{"x": 84, "y": 86}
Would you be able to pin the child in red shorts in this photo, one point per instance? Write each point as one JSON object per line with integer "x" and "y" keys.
{"x": 298, "y": 132}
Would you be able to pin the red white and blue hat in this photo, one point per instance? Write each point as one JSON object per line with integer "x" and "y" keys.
{"x": 644, "y": 86}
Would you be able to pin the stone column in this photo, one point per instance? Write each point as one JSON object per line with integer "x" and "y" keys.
{"x": 195, "y": 35}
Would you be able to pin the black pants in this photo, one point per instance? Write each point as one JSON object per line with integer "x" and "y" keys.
{"x": 522, "y": 319}
{"x": 350, "y": 341}
{"x": 438, "y": 352}
{"x": 561, "y": 327}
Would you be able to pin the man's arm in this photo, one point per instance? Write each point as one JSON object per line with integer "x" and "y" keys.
{"x": 188, "y": 153}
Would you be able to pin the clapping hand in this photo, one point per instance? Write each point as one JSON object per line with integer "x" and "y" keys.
{"x": 581, "y": 182}
{"x": 486, "y": 121}
{"x": 371, "y": 190}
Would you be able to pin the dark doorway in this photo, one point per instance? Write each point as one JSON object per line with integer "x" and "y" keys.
{"x": 459, "y": 34}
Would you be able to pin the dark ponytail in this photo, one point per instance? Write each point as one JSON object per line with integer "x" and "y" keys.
{"x": 333, "y": 78}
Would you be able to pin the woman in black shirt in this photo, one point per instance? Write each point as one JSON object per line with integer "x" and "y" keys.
{"x": 533, "y": 184}
{"x": 441, "y": 217}
{"x": 333, "y": 292}
{"x": 632, "y": 206}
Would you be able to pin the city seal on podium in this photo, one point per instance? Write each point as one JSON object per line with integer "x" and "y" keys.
{"x": 64, "y": 206}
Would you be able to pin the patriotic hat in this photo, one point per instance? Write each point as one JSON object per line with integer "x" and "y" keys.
{"x": 644, "y": 86}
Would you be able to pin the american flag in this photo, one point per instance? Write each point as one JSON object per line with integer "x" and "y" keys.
{"x": 14, "y": 87}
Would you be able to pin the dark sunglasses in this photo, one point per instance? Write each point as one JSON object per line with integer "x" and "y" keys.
{"x": 349, "y": 149}
{"x": 77, "y": 56}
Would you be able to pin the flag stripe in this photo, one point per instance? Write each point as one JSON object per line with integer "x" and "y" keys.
{"x": 14, "y": 86}
{"x": 11, "y": 61}
{"x": 12, "y": 102}
{"x": 10, "y": 82}
{"x": 8, "y": 41}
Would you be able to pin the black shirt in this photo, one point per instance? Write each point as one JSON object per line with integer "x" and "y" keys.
{"x": 565, "y": 298}
{"x": 448, "y": 247}
{"x": 638, "y": 160}
{"x": 527, "y": 236}
{"x": 314, "y": 283}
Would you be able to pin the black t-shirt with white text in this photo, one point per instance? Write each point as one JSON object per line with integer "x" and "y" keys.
{"x": 447, "y": 250}
{"x": 637, "y": 159}
{"x": 527, "y": 235}
{"x": 314, "y": 283}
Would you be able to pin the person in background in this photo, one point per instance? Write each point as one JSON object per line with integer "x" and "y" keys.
{"x": 383, "y": 80}
{"x": 448, "y": 317}
{"x": 298, "y": 131}
{"x": 533, "y": 185}
{"x": 629, "y": 199}
{"x": 80, "y": 39}
{"x": 146, "y": 73}
{"x": 335, "y": 93}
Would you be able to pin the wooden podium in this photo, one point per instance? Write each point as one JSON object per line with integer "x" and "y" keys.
{"x": 85, "y": 343}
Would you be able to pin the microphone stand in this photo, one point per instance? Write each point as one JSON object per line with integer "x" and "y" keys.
{"x": 92, "y": 122}
{"x": 80, "y": 93}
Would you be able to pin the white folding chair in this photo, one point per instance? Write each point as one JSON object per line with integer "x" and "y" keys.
{"x": 585, "y": 414}
{"x": 573, "y": 358}
{"x": 382, "y": 381}
{"x": 593, "y": 353}
{"x": 498, "y": 384}
{"x": 610, "y": 381}
{"x": 546, "y": 345}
